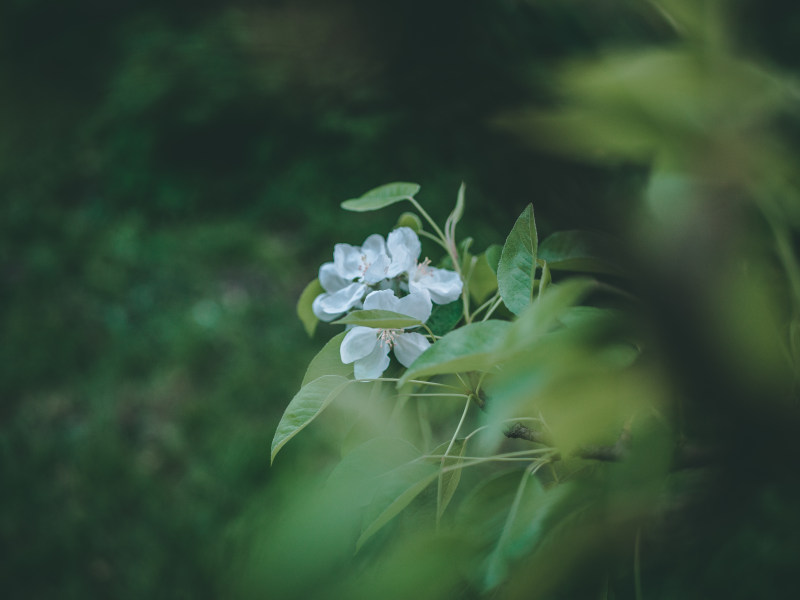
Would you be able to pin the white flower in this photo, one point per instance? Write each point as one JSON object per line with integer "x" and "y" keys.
{"x": 369, "y": 348}
{"x": 346, "y": 279}
{"x": 404, "y": 247}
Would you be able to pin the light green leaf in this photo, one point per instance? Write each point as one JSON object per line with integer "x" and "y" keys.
{"x": 517, "y": 268}
{"x": 410, "y": 220}
{"x": 445, "y": 316}
{"x": 448, "y": 481}
{"x": 328, "y": 362}
{"x": 482, "y": 280}
{"x": 395, "y": 490}
{"x": 307, "y": 316}
{"x": 473, "y": 347}
{"x": 381, "y": 197}
{"x": 306, "y": 405}
{"x": 583, "y": 251}
{"x": 458, "y": 211}
{"x": 492, "y": 254}
{"x": 379, "y": 319}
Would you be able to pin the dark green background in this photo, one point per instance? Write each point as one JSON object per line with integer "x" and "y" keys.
{"x": 170, "y": 176}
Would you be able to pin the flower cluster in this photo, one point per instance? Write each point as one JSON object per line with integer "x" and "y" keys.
{"x": 385, "y": 275}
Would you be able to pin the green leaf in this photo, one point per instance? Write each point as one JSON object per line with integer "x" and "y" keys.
{"x": 458, "y": 211}
{"x": 307, "y": 316}
{"x": 410, "y": 220}
{"x": 583, "y": 251}
{"x": 482, "y": 280}
{"x": 492, "y": 254}
{"x": 448, "y": 481}
{"x": 306, "y": 405}
{"x": 445, "y": 316}
{"x": 381, "y": 197}
{"x": 328, "y": 361}
{"x": 473, "y": 347}
{"x": 379, "y": 319}
{"x": 395, "y": 490}
{"x": 517, "y": 268}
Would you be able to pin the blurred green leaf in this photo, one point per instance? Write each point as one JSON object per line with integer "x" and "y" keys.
{"x": 448, "y": 481}
{"x": 493, "y": 254}
{"x": 517, "y": 268}
{"x": 482, "y": 280}
{"x": 583, "y": 251}
{"x": 473, "y": 347}
{"x": 379, "y": 319}
{"x": 410, "y": 220}
{"x": 307, "y": 316}
{"x": 328, "y": 362}
{"x": 306, "y": 405}
{"x": 381, "y": 197}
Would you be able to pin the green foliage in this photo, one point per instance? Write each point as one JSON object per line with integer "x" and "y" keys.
{"x": 381, "y": 197}
{"x": 517, "y": 267}
{"x": 307, "y": 316}
{"x": 379, "y": 319}
{"x": 328, "y": 361}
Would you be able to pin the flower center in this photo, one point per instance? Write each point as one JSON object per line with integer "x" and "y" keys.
{"x": 424, "y": 268}
{"x": 388, "y": 336}
{"x": 364, "y": 266}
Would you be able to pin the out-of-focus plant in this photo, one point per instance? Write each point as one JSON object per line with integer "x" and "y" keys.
{"x": 597, "y": 416}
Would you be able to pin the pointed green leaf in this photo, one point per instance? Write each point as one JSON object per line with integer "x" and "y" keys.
{"x": 307, "y": 404}
{"x": 517, "y": 268}
{"x": 328, "y": 361}
{"x": 458, "y": 211}
{"x": 395, "y": 490}
{"x": 307, "y": 316}
{"x": 584, "y": 251}
{"x": 473, "y": 347}
{"x": 379, "y": 319}
{"x": 449, "y": 480}
{"x": 381, "y": 197}
{"x": 445, "y": 316}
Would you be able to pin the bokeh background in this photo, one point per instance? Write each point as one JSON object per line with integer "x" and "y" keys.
{"x": 170, "y": 179}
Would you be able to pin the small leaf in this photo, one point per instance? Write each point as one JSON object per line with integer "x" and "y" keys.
{"x": 379, "y": 319}
{"x": 458, "y": 211}
{"x": 444, "y": 317}
{"x": 583, "y": 251}
{"x": 328, "y": 361}
{"x": 410, "y": 220}
{"x": 482, "y": 280}
{"x": 306, "y": 405}
{"x": 395, "y": 490}
{"x": 517, "y": 268}
{"x": 381, "y": 197}
{"x": 473, "y": 347}
{"x": 307, "y": 316}
{"x": 448, "y": 481}
{"x": 492, "y": 254}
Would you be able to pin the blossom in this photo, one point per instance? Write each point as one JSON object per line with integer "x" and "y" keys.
{"x": 404, "y": 248}
{"x": 347, "y": 279}
{"x": 369, "y": 347}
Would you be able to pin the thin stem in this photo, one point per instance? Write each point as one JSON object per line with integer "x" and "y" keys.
{"x": 414, "y": 395}
{"x": 433, "y": 238}
{"x": 395, "y": 379}
{"x": 484, "y": 305}
{"x": 494, "y": 307}
{"x": 428, "y": 218}
{"x": 433, "y": 335}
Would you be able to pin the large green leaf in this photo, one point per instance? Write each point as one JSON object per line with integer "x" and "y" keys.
{"x": 328, "y": 361}
{"x": 473, "y": 347}
{"x": 394, "y": 491}
{"x": 583, "y": 251}
{"x": 379, "y": 319}
{"x": 445, "y": 316}
{"x": 449, "y": 480}
{"x": 306, "y": 405}
{"x": 307, "y": 316}
{"x": 382, "y": 196}
{"x": 517, "y": 268}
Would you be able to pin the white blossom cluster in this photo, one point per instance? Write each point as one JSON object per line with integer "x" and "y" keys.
{"x": 370, "y": 276}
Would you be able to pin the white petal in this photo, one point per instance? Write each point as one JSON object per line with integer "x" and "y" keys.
{"x": 358, "y": 343}
{"x": 381, "y": 300}
{"x": 416, "y": 304}
{"x": 376, "y": 270}
{"x": 408, "y": 347}
{"x": 443, "y": 286}
{"x": 404, "y": 248}
{"x": 347, "y": 260}
{"x": 373, "y": 247}
{"x": 374, "y": 364}
{"x": 330, "y": 279}
{"x": 328, "y": 306}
